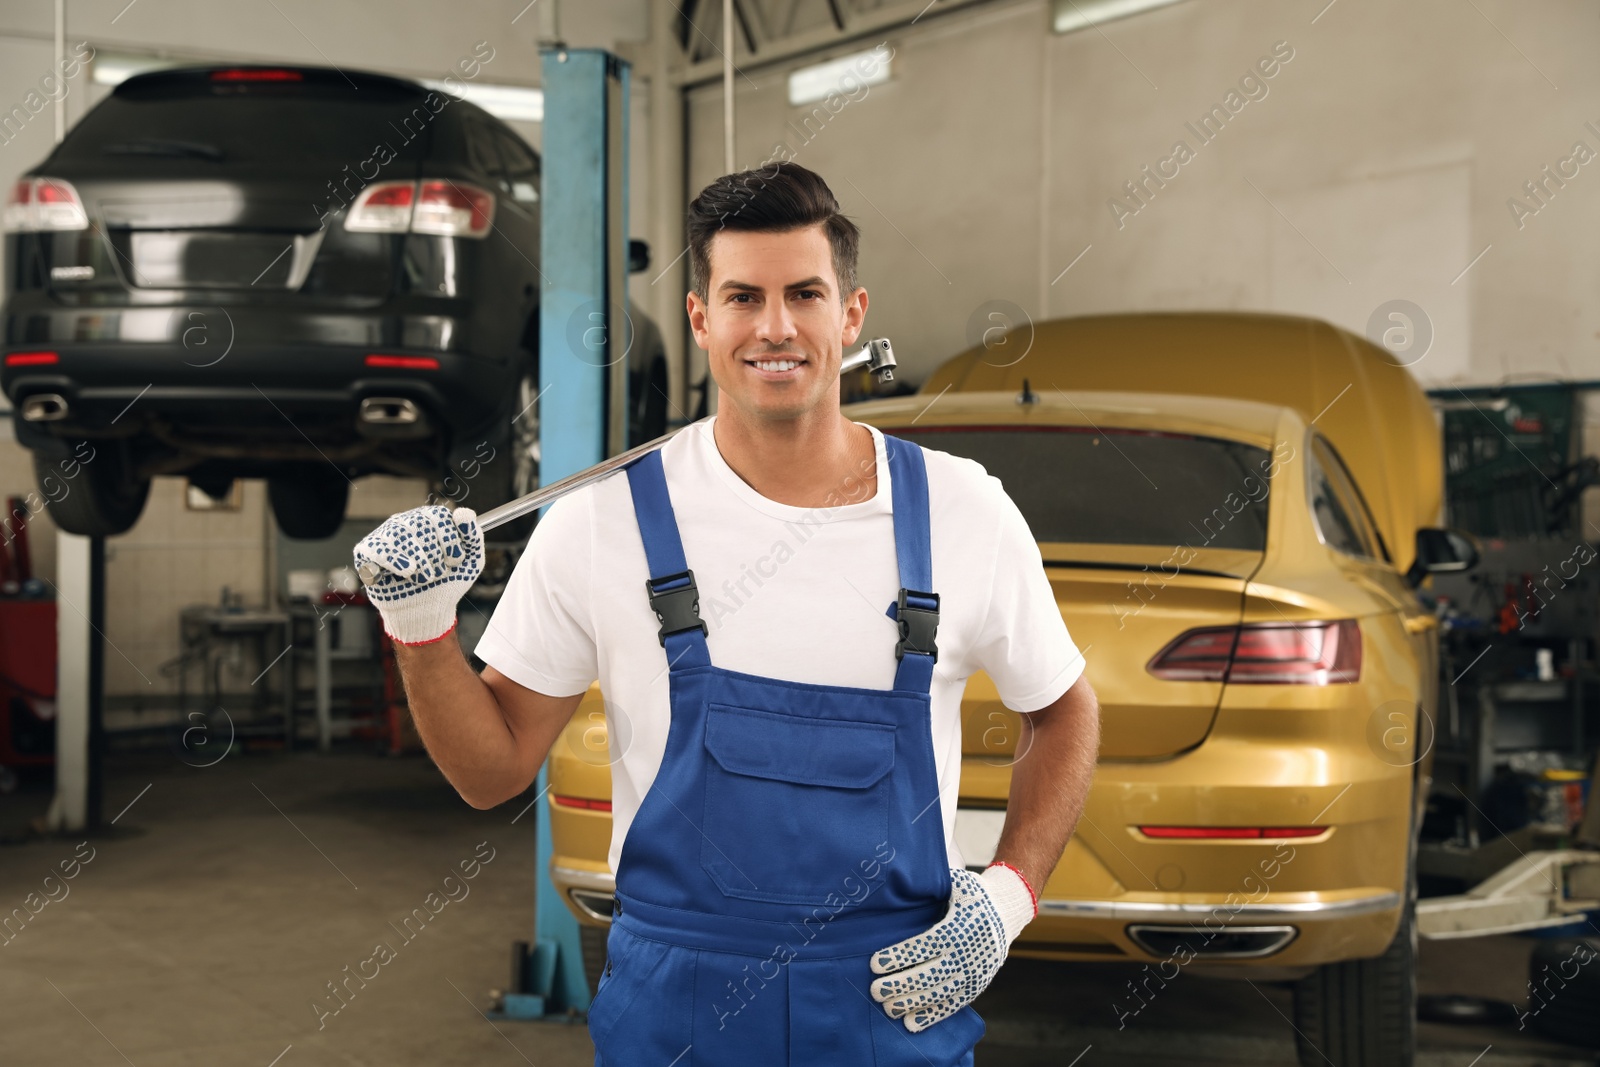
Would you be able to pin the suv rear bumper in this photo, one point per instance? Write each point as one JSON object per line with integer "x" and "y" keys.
{"x": 254, "y": 402}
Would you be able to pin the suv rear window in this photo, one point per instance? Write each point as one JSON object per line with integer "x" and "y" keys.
{"x": 1128, "y": 487}
{"x": 201, "y": 117}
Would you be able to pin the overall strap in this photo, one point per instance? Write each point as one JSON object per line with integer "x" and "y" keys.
{"x": 917, "y": 608}
{"x": 670, "y": 587}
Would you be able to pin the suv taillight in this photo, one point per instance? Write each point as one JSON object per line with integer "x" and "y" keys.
{"x": 1307, "y": 653}
{"x": 453, "y": 209}
{"x": 438, "y": 206}
{"x": 382, "y": 208}
{"x": 37, "y": 204}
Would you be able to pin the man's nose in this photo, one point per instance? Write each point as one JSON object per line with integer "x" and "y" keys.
{"x": 775, "y": 325}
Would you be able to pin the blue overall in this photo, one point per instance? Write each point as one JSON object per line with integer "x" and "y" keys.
{"x": 792, "y": 830}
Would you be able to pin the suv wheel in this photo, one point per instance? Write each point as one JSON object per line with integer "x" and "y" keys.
{"x": 525, "y": 438}
{"x": 102, "y": 498}
{"x": 514, "y": 470}
{"x": 499, "y": 561}
{"x": 1363, "y": 1013}
{"x": 648, "y": 399}
{"x": 309, "y": 501}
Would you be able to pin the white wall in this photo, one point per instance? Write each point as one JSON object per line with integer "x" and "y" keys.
{"x": 1382, "y": 157}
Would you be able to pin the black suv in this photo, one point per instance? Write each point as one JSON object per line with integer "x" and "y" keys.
{"x": 290, "y": 273}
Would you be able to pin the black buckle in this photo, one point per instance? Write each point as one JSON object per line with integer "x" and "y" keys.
{"x": 917, "y": 625}
{"x": 678, "y": 609}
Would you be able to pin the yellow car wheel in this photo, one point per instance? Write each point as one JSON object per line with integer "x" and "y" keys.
{"x": 593, "y": 939}
{"x": 1362, "y": 1013}
{"x": 1565, "y": 1009}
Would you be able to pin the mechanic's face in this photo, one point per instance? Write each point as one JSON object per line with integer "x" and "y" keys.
{"x": 775, "y": 297}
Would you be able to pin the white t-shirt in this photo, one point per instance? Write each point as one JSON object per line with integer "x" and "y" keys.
{"x": 799, "y": 594}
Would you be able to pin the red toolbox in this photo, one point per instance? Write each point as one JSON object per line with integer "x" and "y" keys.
{"x": 27, "y": 682}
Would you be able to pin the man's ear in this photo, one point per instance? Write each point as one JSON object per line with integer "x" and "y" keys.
{"x": 855, "y": 316}
{"x": 697, "y": 321}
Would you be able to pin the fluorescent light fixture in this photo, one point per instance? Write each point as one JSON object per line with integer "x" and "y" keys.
{"x": 845, "y": 75}
{"x": 1071, "y": 15}
{"x": 501, "y": 101}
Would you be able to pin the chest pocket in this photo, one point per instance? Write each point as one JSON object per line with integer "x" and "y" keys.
{"x": 796, "y": 807}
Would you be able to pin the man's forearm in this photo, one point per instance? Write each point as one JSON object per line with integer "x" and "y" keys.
{"x": 461, "y": 723}
{"x": 1049, "y": 782}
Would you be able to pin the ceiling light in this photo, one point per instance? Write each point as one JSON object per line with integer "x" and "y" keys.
{"x": 1070, "y": 15}
{"x": 845, "y": 75}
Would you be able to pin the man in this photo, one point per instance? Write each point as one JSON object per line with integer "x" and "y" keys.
{"x": 783, "y": 695}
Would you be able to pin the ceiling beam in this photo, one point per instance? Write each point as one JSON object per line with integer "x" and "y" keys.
{"x": 744, "y": 27}
{"x": 685, "y": 24}
{"x": 892, "y": 16}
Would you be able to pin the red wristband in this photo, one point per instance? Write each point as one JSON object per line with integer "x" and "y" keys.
{"x": 1034, "y": 896}
{"x": 429, "y": 641}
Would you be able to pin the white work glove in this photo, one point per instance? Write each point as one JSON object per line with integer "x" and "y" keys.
{"x": 417, "y": 566}
{"x": 954, "y": 960}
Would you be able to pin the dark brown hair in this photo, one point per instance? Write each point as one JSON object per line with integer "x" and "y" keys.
{"x": 780, "y": 197}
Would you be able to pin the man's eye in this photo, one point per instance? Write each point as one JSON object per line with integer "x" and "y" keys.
{"x": 809, "y": 292}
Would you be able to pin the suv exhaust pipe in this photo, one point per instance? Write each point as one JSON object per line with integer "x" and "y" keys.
{"x": 44, "y": 407}
{"x": 392, "y": 418}
{"x": 389, "y": 411}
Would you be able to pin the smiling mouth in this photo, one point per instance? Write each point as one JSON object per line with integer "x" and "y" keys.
{"x": 776, "y": 365}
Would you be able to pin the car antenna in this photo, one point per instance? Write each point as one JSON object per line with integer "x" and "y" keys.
{"x": 1028, "y": 395}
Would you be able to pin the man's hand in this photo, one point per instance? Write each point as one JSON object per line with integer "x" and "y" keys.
{"x": 417, "y": 566}
{"x": 943, "y": 969}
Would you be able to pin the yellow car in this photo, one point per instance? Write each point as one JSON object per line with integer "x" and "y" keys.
{"x": 1237, "y": 556}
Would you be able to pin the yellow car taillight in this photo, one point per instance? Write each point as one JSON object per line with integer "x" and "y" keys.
{"x": 1277, "y": 653}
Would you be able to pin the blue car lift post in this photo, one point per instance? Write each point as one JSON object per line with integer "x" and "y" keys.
{"x": 583, "y": 370}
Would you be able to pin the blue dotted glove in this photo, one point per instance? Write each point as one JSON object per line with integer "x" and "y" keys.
{"x": 943, "y": 969}
{"x": 417, "y": 566}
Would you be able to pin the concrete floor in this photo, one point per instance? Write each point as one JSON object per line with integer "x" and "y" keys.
{"x": 210, "y": 919}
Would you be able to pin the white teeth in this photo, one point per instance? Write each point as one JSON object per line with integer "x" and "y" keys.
{"x": 784, "y": 364}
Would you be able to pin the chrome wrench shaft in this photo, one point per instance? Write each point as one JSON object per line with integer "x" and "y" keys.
{"x": 876, "y": 355}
